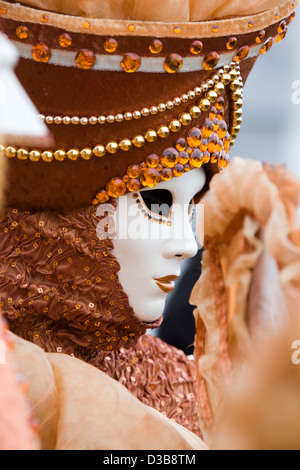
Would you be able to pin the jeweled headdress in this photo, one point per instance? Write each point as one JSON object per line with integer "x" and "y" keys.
{"x": 129, "y": 103}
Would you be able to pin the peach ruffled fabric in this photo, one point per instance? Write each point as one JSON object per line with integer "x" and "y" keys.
{"x": 80, "y": 408}
{"x": 153, "y": 10}
{"x": 250, "y": 284}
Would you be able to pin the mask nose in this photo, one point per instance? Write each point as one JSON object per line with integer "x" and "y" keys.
{"x": 182, "y": 243}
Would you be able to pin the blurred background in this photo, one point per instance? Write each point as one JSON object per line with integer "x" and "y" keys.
{"x": 270, "y": 133}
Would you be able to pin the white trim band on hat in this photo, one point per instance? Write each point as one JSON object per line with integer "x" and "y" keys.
{"x": 113, "y": 63}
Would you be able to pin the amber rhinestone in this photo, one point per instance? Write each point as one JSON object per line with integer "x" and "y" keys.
{"x": 166, "y": 174}
{"x": 213, "y": 143}
{"x": 169, "y": 157}
{"x": 3, "y": 10}
{"x": 116, "y": 187}
{"x": 222, "y": 130}
{"x": 65, "y": 40}
{"x": 181, "y": 144}
{"x": 150, "y": 177}
{"x": 207, "y": 128}
{"x": 22, "y": 32}
{"x": 152, "y": 160}
{"x": 85, "y": 59}
{"x": 133, "y": 185}
{"x": 133, "y": 171}
{"x": 102, "y": 196}
{"x": 131, "y": 28}
{"x": 156, "y": 46}
{"x": 211, "y": 60}
{"x": 196, "y": 159}
{"x": 206, "y": 157}
{"x": 183, "y": 157}
{"x": 44, "y": 19}
{"x": 267, "y": 46}
{"x": 281, "y": 36}
{"x": 131, "y": 62}
{"x": 86, "y": 25}
{"x": 110, "y": 45}
{"x": 173, "y": 63}
{"x": 242, "y": 53}
{"x": 215, "y": 28}
{"x": 260, "y": 37}
{"x": 41, "y": 53}
{"x": 292, "y": 17}
{"x": 194, "y": 137}
{"x": 178, "y": 170}
{"x": 196, "y": 47}
{"x": 231, "y": 43}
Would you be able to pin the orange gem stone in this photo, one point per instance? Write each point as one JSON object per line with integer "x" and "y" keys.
{"x": 133, "y": 171}
{"x": 65, "y": 40}
{"x": 281, "y": 27}
{"x": 181, "y": 144}
{"x": 166, "y": 174}
{"x": 131, "y": 28}
{"x": 222, "y": 131}
{"x": 213, "y": 143}
{"x": 261, "y": 35}
{"x": 196, "y": 159}
{"x": 173, "y": 63}
{"x": 178, "y": 170}
{"x": 183, "y": 157}
{"x": 215, "y": 28}
{"x": 86, "y": 25}
{"x": 110, "y": 45}
{"x": 156, "y": 46}
{"x": 152, "y": 160}
{"x": 169, "y": 157}
{"x": 194, "y": 137}
{"x": 150, "y": 177}
{"x": 44, "y": 19}
{"x": 250, "y": 24}
{"x": 3, "y": 10}
{"x": 267, "y": 46}
{"x": 211, "y": 60}
{"x": 133, "y": 185}
{"x": 131, "y": 62}
{"x": 116, "y": 187}
{"x": 85, "y": 59}
{"x": 176, "y": 30}
{"x": 281, "y": 36}
{"x": 242, "y": 53}
{"x": 41, "y": 53}
{"x": 102, "y": 196}
{"x": 196, "y": 47}
{"x": 231, "y": 43}
{"x": 207, "y": 128}
{"x": 22, "y": 32}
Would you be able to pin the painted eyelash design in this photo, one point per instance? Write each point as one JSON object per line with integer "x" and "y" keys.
{"x": 158, "y": 218}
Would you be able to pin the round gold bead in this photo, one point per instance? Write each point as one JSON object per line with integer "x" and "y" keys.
{"x": 163, "y": 132}
{"x": 145, "y": 112}
{"x": 75, "y": 120}
{"x": 136, "y": 115}
{"x": 73, "y": 154}
{"x": 219, "y": 88}
{"x": 125, "y": 145}
{"x": 84, "y": 121}
{"x": 170, "y": 104}
{"x": 204, "y": 104}
{"x": 119, "y": 117}
{"x": 47, "y": 156}
{"x": 86, "y": 153}
{"x": 128, "y": 116}
{"x": 99, "y": 151}
{"x": 49, "y": 120}
{"x": 212, "y": 96}
{"x": 151, "y": 135}
{"x": 58, "y": 120}
{"x": 185, "y": 119}
{"x": 175, "y": 125}
{"x": 237, "y": 94}
{"x": 101, "y": 119}
{"x": 138, "y": 141}
{"x": 11, "y": 152}
{"x": 35, "y": 155}
{"x": 66, "y": 120}
{"x": 226, "y": 79}
{"x": 161, "y": 107}
{"x": 93, "y": 120}
{"x": 233, "y": 74}
{"x": 195, "y": 112}
{"x": 112, "y": 147}
{"x": 22, "y": 154}
{"x": 238, "y": 113}
{"x": 237, "y": 121}
{"x": 236, "y": 105}
{"x": 154, "y": 110}
{"x": 110, "y": 119}
{"x": 235, "y": 85}
{"x": 60, "y": 155}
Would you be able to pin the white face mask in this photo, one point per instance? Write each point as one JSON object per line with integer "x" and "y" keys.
{"x": 151, "y": 245}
